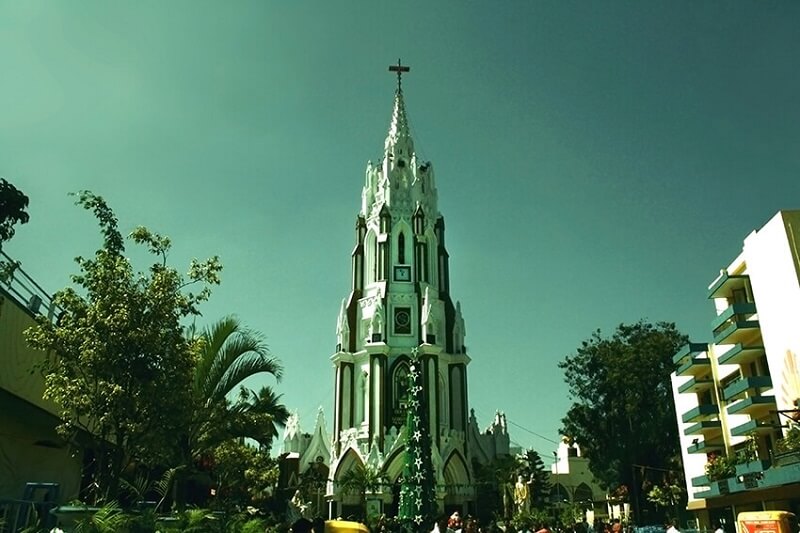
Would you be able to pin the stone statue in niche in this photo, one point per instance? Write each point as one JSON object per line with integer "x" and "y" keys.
{"x": 375, "y": 329}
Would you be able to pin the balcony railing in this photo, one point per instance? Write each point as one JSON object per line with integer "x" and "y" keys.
{"x": 703, "y": 446}
{"x": 740, "y": 354}
{"x": 704, "y": 427}
{"x": 726, "y": 284}
{"x": 735, "y": 324}
{"x": 28, "y": 294}
{"x": 690, "y": 349}
{"x": 753, "y": 426}
{"x": 752, "y": 405}
{"x": 694, "y": 366}
{"x": 700, "y": 412}
{"x": 696, "y": 384}
{"x": 751, "y": 384}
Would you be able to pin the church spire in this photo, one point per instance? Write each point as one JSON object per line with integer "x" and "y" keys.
{"x": 399, "y": 138}
{"x": 399, "y": 183}
{"x": 399, "y": 126}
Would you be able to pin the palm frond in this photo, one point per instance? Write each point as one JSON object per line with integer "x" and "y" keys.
{"x": 239, "y": 366}
{"x": 231, "y": 354}
{"x": 213, "y": 338}
{"x": 108, "y": 519}
{"x": 137, "y": 487}
{"x": 268, "y": 402}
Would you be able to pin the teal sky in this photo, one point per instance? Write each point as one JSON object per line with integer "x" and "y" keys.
{"x": 597, "y": 162}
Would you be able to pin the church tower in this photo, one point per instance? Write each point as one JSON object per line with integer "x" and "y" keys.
{"x": 399, "y": 307}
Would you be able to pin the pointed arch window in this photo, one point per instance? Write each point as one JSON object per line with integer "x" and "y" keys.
{"x": 401, "y": 248}
{"x": 400, "y": 393}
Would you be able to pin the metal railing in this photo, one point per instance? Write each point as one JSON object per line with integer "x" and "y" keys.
{"x": 24, "y": 289}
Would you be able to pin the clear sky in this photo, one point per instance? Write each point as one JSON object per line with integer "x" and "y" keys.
{"x": 597, "y": 162}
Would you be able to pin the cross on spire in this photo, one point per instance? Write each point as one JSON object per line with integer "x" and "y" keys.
{"x": 399, "y": 68}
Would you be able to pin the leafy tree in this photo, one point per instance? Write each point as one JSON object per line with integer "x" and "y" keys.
{"x": 244, "y": 475}
{"x": 538, "y": 477}
{"x": 12, "y": 210}
{"x": 622, "y": 415}
{"x": 119, "y": 365}
{"x": 495, "y": 485}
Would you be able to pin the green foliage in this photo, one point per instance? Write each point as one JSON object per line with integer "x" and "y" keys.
{"x": 108, "y": 519}
{"x": 362, "y": 479}
{"x": 531, "y": 520}
{"x": 570, "y": 514}
{"x": 749, "y": 452}
{"x": 666, "y": 495}
{"x": 622, "y": 412}
{"x": 535, "y": 472}
{"x": 12, "y": 210}
{"x": 254, "y": 525}
{"x": 118, "y": 364}
{"x": 244, "y": 475}
{"x": 496, "y": 482}
{"x": 720, "y": 467}
{"x": 791, "y": 441}
{"x": 229, "y": 354}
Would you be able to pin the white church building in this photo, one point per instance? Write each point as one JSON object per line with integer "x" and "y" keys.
{"x": 399, "y": 306}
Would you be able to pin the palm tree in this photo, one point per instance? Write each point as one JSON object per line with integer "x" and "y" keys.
{"x": 229, "y": 354}
{"x": 257, "y": 415}
{"x": 362, "y": 479}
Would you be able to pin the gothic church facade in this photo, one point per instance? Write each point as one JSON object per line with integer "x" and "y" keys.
{"x": 400, "y": 309}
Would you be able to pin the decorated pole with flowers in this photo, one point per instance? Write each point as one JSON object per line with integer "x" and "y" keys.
{"x": 417, "y": 490}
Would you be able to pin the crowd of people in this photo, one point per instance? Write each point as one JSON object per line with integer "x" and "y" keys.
{"x": 455, "y": 524}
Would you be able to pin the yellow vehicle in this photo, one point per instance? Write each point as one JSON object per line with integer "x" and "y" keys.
{"x": 767, "y": 522}
{"x": 343, "y": 526}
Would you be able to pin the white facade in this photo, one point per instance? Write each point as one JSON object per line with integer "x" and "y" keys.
{"x": 400, "y": 306}
{"x": 746, "y": 382}
{"x": 573, "y": 483}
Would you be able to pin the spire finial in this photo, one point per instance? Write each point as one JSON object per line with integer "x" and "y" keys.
{"x": 399, "y": 68}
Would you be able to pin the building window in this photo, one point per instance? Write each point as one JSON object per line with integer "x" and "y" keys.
{"x": 401, "y": 249}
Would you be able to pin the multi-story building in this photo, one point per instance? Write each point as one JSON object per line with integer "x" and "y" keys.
{"x": 738, "y": 395}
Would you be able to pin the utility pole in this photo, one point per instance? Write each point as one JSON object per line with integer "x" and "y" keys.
{"x": 558, "y": 491}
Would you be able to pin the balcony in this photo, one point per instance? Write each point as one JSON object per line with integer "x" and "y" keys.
{"x": 753, "y": 406}
{"x": 736, "y": 324}
{"x": 716, "y": 488}
{"x": 726, "y": 284}
{"x": 741, "y": 355}
{"x": 701, "y": 412}
{"x": 704, "y": 446}
{"x": 706, "y": 427}
{"x": 751, "y": 384}
{"x": 690, "y": 349}
{"x": 700, "y": 481}
{"x": 696, "y": 384}
{"x": 695, "y": 366}
{"x": 753, "y": 467}
{"x": 753, "y": 426}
